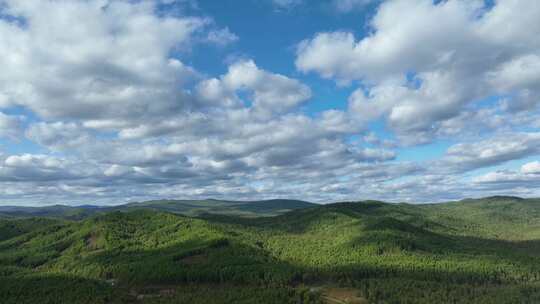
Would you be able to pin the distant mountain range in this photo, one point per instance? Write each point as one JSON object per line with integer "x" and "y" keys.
{"x": 203, "y": 207}
{"x": 184, "y": 207}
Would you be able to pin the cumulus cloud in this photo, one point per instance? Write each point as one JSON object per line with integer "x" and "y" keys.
{"x": 95, "y": 59}
{"x": 58, "y": 135}
{"x": 430, "y": 60}
{"x": 271, "y": 93}
{"x": 489, "y": 152}
{"x": 31, "y": 168}
{"x": 519, "y": 77}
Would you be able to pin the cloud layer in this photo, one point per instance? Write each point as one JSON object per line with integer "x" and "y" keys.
{"x": 100, "y": 99}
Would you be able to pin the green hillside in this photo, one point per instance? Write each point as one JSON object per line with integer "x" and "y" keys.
{"x": 511, "y": 218}
{"x": 472, "y": 251}
{"x": 211, "y": 206}
{"x": 10, "y": 228}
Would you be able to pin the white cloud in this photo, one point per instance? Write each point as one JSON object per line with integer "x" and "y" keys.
{"x": 489, "y": 152}
{"x": 271, "y": 93}
{"x": 93, "y": 59}
{"x": 41, "y": 168}
{"x": 28, "y": 160}
{"x": 422, "y": 63}
{"x": 117, "y": 170}
{"x": 222, "y": 37}
{"x": 531, "y": 168}
{"x": 346, "y": 6}
{"x": 58, "y": 135}
{"x": 526, "y": 180}
{"x": 517, "y": 73}
{"x": 519, "y": 77}
{"x": 411, "y": 43}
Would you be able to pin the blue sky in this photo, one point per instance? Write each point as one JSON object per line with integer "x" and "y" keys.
{"x": 109, "y": 101}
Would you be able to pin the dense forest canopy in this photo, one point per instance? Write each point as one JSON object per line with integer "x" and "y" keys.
{"x": 472, "y": 251}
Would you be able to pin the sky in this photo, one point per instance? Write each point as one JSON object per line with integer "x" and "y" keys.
{"x": 112, "y": 101}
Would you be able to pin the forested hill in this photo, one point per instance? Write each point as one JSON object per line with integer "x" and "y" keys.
{"x": 472, "y": 251}
{"x": 212, "y": 206}
{"x": 185, "y": 207}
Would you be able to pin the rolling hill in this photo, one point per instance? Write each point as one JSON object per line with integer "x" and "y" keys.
{"x": 472, "y": 251}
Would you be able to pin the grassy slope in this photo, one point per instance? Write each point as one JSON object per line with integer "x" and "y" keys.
{"x": 471, "y": 251}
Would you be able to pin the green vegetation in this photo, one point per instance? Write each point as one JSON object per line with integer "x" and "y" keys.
{"x": 211, "y": 206}
{"x": 15, "y": 227}
{"x": 472, "y": 251}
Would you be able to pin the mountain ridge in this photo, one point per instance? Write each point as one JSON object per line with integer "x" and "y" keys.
{"x": 187, "y": 207}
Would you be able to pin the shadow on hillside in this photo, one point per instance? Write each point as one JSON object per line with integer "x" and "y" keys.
{"x": 207, "y": 261}
{"x": 50, "y": 288}
{"x": 302, "y": 220}
{"x": 227, "y": 260}
{"x": 490, "y": 260}
{"x": 443, "y": 243}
